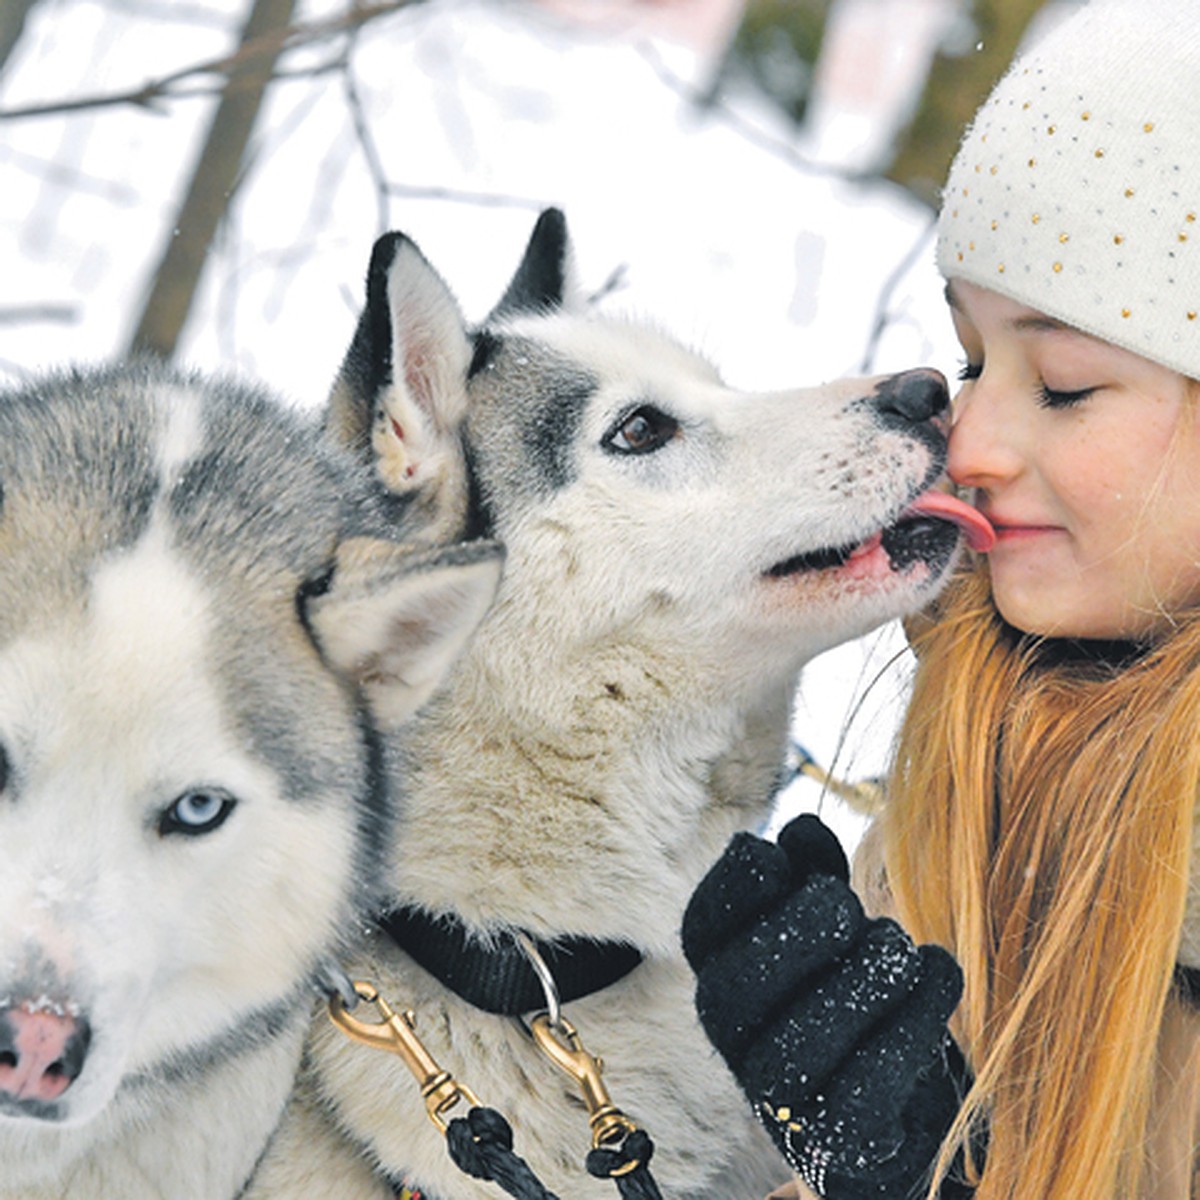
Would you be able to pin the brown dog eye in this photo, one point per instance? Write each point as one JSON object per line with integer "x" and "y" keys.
{"x": 642, "y": 431}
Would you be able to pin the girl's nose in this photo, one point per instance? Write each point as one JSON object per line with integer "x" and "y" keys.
{"x": 984, "y": 440}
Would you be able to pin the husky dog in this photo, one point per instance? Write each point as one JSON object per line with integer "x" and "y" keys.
{"x": 675, "y": 550}
{"x": 203, "y": 636}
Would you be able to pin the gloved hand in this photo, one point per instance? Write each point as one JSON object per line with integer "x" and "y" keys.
{"x": 833, "y": 1024}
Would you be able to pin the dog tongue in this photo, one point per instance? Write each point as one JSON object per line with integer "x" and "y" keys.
{"x": 974, "y": 525}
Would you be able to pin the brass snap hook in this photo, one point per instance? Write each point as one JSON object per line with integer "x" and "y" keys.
{"x": 608, "y": 1123}
{"x": 396, "y": 1033}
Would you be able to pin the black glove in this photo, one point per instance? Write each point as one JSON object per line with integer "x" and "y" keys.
{"x": 834, "y": 1025}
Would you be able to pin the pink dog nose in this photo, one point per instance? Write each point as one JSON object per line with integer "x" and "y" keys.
{"x": 41, "y": 1053}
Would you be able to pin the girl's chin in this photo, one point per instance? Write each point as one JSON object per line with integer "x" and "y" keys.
{"x": 1064, "y": 615}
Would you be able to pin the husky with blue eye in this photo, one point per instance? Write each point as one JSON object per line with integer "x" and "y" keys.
{"x": 676, "y": 550}
{"x": 207, "y": 630}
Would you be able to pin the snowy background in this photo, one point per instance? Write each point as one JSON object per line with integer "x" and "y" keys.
{"x": 457, "y": 121}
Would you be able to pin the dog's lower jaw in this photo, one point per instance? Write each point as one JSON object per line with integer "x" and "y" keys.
{"x": 907, "y": 543}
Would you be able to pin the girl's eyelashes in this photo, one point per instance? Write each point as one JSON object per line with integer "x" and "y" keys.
{"x": 1049, "y": 398}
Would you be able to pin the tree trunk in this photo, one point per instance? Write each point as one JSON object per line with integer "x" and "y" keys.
{"x": 955, "y": 88}
{"x": 213, "y": 182}
{"x": 13, "y": 14}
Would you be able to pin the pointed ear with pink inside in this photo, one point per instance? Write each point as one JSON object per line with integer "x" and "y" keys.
{"x": 394, "y": 620}
{"x": 401, "y": 390}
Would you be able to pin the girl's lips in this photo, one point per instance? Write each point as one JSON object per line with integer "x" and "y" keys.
{"x": 1009, "y": 531}
{"x": 1014, "y": 526}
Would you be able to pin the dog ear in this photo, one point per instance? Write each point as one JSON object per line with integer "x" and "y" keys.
{"x": 401, "y": 391}
{"x": 545, "y": 277}
{"x": 394, "y": 619}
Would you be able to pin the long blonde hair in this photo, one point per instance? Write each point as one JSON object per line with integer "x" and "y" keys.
{"x": 1039, "y": 826}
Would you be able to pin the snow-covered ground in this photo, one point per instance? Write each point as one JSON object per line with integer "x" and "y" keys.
{"x": 714, "y": 221}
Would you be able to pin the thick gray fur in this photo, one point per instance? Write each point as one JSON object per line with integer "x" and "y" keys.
{"x": 624, "y": 707}
{"x": 199, "y": 598}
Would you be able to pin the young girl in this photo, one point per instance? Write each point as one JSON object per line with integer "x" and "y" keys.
{"x": 1041, "y": 814}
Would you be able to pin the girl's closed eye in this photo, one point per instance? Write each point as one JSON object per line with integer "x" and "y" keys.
{"x": 969, "y": 371}
{"x": 1049, "y": 397}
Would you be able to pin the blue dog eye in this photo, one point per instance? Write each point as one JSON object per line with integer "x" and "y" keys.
{"x": 197, "y": 812}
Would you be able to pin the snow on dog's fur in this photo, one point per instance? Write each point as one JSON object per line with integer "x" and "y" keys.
{"x": 204, "y": 629}
{"x": 676, "y": 550}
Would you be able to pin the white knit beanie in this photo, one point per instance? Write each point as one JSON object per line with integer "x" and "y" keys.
{"x": 1076, "y": 190}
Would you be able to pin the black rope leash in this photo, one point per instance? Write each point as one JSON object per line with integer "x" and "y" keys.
{"x": 628, "y": 1167}
{"x": 481, "y": 1145}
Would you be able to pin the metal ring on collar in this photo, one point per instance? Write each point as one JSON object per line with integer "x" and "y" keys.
{"x": 545, "y": 978}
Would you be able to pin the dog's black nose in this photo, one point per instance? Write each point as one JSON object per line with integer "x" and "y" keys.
{"x": 913, "y": 395}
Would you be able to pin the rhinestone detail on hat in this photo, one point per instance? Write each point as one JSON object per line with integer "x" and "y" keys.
{"x": 1091, "y": 119}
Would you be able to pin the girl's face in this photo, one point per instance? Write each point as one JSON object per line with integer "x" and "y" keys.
{"x": 1086, "y": 459}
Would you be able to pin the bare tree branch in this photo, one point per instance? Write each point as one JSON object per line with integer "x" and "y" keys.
{"x": 213, "y": 183}
{"x": 454, "y": 195}
{"x": 13, "y": 14}
{"x": 711, "y": 103}
{"x": 242, "y": 69}
{"x": 63, "y": 175}
{"x": 364, "y": 136}
{"x": 28, "y": 314}
{"x": 884, "y": 317}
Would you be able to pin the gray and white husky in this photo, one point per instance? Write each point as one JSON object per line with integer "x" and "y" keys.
{"x": 204, "y": 633}
{"x": 676, "y": 550}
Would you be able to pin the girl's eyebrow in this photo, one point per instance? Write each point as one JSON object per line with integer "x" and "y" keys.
{"x": 1036, "y": 323}
{"x": 1031, "y": 322}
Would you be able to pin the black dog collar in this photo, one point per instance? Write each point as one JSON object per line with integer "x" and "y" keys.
{"x": 498, "y": 978}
